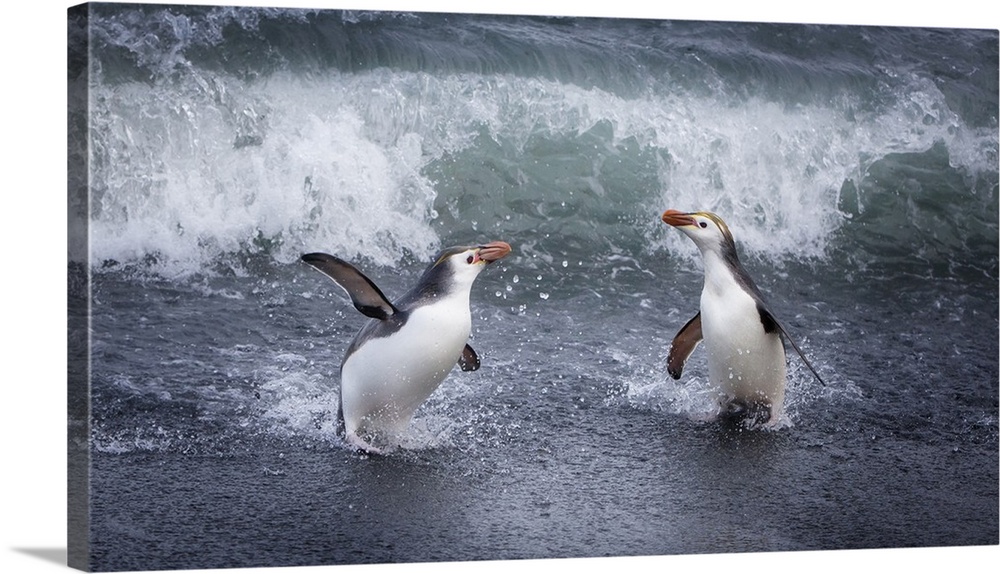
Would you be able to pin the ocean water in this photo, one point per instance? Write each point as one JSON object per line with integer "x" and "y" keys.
{"x": 856, "y": 167}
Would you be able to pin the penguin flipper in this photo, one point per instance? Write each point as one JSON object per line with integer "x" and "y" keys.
{"x": 469, "y": 361}
{"x": 364, "y": 294}
{"x": 771, "y": 324}
{"x": 683, "y": 345}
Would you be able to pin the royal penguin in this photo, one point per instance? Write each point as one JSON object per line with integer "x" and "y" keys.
{"x": 743, "y": 339}
{"x": 409, "y": 346}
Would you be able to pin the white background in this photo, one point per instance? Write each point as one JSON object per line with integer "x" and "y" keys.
{"x": 33, "y": 277}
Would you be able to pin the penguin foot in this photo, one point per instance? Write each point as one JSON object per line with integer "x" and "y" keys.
{"x": 744, "y": 414}
{"x": 361, "y": 446}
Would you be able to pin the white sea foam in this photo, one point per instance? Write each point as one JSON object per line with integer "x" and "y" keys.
{"x": 191, "y": 171}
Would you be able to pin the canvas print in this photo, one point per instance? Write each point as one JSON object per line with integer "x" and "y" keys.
{"x": 353, "y": 287}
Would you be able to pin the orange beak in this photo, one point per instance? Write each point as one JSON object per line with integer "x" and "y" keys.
{"x": 677, "y": 218}
{"x": 493, "y": 251}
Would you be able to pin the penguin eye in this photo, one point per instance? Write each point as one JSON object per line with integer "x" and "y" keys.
{"x": 470, "y": 259}
{"x": 702, "y": 224}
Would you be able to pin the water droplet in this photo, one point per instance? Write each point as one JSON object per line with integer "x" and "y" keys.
{"x": 499, "y": 293}
{"x": 565, "y": 263}
{"x": 543, "y": 295}
{"x": 516, "y": 279}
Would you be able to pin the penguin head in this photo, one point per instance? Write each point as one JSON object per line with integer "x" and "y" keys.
{"x": 469, "y": 261}
{"x": 458, "y": 267}
{"x": 708, "y": 231}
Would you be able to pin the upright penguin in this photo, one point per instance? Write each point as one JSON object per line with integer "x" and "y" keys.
{"x": 399, "y": 357}
{"x": 746, "y": 356}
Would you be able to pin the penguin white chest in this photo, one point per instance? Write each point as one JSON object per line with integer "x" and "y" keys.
{"x": 385, "y": 380}
{"x": 744, "y": 361}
